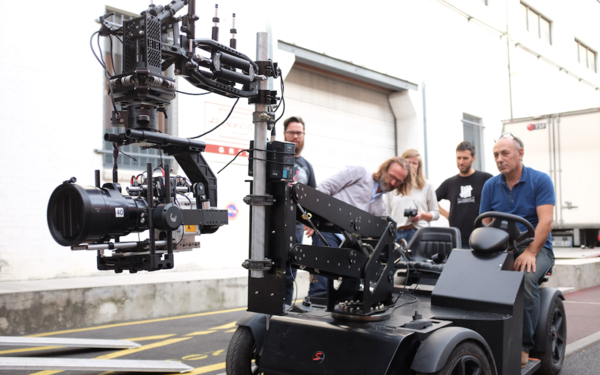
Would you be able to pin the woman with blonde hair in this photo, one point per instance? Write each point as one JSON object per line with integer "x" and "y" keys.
{"x": 422, "y": 200}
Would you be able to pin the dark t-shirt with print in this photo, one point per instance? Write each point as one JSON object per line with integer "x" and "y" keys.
{"x": 464, "y": 194}
{"x": 303, "y": 172}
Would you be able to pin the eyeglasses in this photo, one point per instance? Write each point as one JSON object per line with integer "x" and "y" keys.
{"x": 292, "y": 134}
{"x": 510, "y": 135}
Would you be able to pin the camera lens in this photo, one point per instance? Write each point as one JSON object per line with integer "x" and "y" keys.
{"x": 79, "y": 215}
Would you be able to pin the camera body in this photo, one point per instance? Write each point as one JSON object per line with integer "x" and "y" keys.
{"x": 410, "y": 212}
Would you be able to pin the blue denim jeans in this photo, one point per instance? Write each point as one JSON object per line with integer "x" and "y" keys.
{"x": 531, "y": 301}
{"x": 407, "y": 234}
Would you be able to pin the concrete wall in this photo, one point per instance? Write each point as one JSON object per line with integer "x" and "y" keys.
{"x": 51, "y": 95}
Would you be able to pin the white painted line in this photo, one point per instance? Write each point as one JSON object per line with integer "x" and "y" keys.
{"x": 583, "y": 303}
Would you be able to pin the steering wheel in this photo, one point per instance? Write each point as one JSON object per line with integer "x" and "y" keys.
{"x": 516, "y": 236}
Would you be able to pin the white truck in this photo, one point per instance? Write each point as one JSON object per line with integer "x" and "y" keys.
{"x": 566, "y": 146}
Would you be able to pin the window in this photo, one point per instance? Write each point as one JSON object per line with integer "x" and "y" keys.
{"x": 473, "y": 132}
{"x": 537, "y": 24}
{"x": 166, "y": 125}
{"x": 586, "y": 56}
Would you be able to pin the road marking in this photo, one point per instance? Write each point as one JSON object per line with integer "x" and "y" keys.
{"x": 200, "y": 333}
{"x": 148, "y": 338}
{"x": 584, "y": 303}
{"x": 30, "y": 349}
{"x": 226, "y": 326}
{"x": 122, "y": 353}
{"x": 217, "y": 352}
{"x": 140, "y": 322}
{"x": 203, "y": 370}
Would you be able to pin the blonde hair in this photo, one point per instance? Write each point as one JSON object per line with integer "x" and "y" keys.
{"x": 405, "y": 187}
{"x": 419, "y": 177}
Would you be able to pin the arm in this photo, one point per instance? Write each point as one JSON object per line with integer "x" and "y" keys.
{"x": 526, "y": 261}
{"x": 486, "y": 201}
{"x": 430, "y": 205}
{"x": 346, "y": 177}
{"x": 444, "y": 213}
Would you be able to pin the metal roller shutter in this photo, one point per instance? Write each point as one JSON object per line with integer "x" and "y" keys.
{"x": 347, "y": 123}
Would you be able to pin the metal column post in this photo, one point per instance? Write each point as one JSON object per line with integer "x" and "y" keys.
{"x": 257, "y": 250}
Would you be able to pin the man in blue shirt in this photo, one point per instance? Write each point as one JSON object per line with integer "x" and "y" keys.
{"x": 525, "y": 192}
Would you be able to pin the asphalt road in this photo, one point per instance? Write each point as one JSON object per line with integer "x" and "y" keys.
{"x": 586, "y": 362}
{"x": 198, "y": 340}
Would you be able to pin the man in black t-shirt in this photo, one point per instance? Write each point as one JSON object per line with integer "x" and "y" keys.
{"x": 293, "y": 131}
{"x": 464, "y": 192}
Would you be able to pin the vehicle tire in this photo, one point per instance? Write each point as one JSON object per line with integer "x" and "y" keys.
{"x": 553, "y": 356}
{"x": 242, "y": 354}
{"x": 466, "y": 359}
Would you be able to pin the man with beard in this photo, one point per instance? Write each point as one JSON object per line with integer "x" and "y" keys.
{"x": 357, "y": 186}
{"x": 294, "y": 131}
{"x": 464, "y": 192}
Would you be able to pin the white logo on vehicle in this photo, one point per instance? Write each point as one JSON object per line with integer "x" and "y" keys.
{"x": 465, "y": 191}
{"x": 119, "y": 212}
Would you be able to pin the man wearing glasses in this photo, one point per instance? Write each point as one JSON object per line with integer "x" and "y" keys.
{"x": 525, "y": 192}
{"x": 293, "y": 131}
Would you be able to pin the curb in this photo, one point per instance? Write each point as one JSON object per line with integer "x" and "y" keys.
{"x": 582, "y": 344}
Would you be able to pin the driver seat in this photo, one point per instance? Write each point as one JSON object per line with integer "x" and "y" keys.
{"x": 430, "y": 248}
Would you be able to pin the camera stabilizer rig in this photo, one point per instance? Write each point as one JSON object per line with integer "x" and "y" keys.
{"x": 94, "y": 218}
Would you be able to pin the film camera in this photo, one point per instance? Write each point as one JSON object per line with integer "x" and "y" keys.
{"x": 173, "y": 209}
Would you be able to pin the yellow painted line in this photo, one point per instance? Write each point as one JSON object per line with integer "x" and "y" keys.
{"x": 204, "y": 369}
{"x": 30, "y": 349}
{"x": 140, "y": 322}
{"x": 217, "y": 352}
{"x": 122, "y": 353}
{"x": 231, "y": 330}
{"x": 199, "y": 333}
{"x": 148, "y": 338}
{"x": 226, "y": 326}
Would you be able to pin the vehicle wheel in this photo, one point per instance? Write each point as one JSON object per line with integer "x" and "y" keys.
{"x": 466, "y": 359}
{"x": 242, "y": 354}
{"x": 553, "y": 356}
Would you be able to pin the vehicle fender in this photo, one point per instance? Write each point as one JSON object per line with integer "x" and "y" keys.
{"x": 257, "y": 324}
{"x": 435, "y": 350}
{"x": 547, "y": 296}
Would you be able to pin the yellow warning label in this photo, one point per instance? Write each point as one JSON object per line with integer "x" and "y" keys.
{"x": 190, "y": 228}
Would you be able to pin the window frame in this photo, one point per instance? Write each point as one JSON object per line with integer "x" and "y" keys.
{"x": 471, "y": 122}
{"x": 586, "y": 51}
{"x": 540, "y": 17}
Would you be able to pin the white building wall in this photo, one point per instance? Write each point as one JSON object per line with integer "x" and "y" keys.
{"x": 51, "y": 95}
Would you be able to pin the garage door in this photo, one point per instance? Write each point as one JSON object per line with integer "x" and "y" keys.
{"x": 347, "y": 123}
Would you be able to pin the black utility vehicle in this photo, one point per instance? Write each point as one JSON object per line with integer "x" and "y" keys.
{"x": 458, "y": 311}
